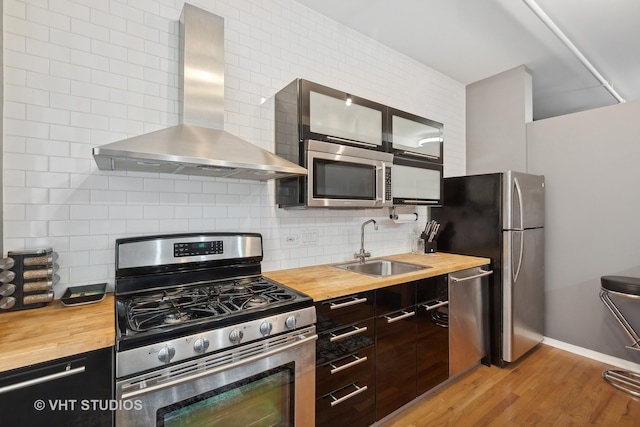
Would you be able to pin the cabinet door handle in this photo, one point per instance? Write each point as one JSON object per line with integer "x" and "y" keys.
{"x": 475, "y": 276}
{"x": 66, "y": 373}
{"x": 438, "y": 304}
{"x": 404, "y": 315}
{"x": 355, "y": 330}
{"x": 337, "y": 369}
{"x": 334, "y": 306}
{"x": 351, "y": 141}
{"x": 421, "y": 202}
{"x": 357, "y": 391}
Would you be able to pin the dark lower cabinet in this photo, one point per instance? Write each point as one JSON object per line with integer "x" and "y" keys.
{"x": 345, "y": 360}
{"x": 372, "y": 359}
{"x": 432, "y": 340}
{"x": 349, "y": 389}
{"x": 395, "y": 347}
{"x": 73, "y": 391}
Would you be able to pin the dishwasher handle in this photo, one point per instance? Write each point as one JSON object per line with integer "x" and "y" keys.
{"x": 475, "y": 276}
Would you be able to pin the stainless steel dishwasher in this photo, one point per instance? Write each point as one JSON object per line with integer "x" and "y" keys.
{"x": 468, "y": 318}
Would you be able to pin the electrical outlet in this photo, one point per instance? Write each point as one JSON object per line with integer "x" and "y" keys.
{"x": 291, "y": 239}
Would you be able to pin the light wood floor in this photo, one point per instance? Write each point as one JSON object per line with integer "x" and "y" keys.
{"x": 548, "y": 387}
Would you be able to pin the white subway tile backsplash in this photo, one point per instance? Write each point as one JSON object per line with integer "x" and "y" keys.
{"x": 81, "y": 73}
{"x": 90, "y": 212}
{"x": 68, "y": 228}
{"x": 85, "y": 243}
{"x": 110, "y": 228}
{"x": 142, "y": 226}
{"x": 86, "y": 28}
{"x": 66, "y": 196}
{"x": 145, "y": 198}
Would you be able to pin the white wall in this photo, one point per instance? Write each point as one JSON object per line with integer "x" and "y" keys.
{"x": 591, "y": 164}
{"x": 81, "y": 73}
{"x": 497, "y": 111}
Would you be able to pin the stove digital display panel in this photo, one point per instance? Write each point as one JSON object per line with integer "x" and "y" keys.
{"x": 198, "y": 248}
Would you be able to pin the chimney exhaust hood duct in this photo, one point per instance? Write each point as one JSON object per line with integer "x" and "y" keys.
{"x": 198, "y": 146}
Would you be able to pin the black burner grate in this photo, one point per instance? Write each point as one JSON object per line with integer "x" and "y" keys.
{"x": 183, "y": 305}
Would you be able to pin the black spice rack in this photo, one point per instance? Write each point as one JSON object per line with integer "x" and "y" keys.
{"x": 27, "y": 279}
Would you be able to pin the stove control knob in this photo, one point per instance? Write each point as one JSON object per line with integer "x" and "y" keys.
{"x": 235, "y": 336}
{"x": 201, "y": 345}
{"x": 290, "y": 322}
{"x": 166, "y": 353}
{"x": 265, "y": 328}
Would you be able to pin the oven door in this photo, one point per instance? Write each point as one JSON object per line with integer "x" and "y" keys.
{"x": 416, "y": 182}
{"x": 347, "y": 177}
{"x": 268, "y": 383}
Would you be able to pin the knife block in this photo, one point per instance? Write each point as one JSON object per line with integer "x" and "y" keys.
{"x": 430, "y": 247}
{"x": 27, "y": 279}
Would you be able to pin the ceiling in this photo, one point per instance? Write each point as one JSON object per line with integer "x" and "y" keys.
{"x": 470, "y": 40}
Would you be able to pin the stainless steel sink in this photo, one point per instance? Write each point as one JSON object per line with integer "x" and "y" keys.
{"x": 380, "y": 267}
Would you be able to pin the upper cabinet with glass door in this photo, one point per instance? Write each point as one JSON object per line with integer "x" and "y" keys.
{"x": 330, "y": 115}
{"x": 411, "y": 135}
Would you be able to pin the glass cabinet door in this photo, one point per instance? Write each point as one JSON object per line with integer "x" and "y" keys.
{"x": 414, "y": 135}
{"x": 335, "y": 116}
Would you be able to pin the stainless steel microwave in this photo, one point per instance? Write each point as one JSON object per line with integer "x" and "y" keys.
{"x": 339, "y": 176}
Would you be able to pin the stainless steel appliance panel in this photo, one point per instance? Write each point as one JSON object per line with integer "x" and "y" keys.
{"x": 522, "y": 292}
{"x": 467, "y": 319}
{"x": 476, "y": 212}
{"x": 524, "y": 201}
{"x": 193, "y": 381}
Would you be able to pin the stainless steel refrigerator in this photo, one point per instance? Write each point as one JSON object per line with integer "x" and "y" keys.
{"x": 501, "y": 216}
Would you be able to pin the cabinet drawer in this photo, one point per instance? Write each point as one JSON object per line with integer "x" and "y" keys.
{"x": 338, "y": 373}
{"x": 338, "y": 312}
{"x": 393, "y": 298}
{"x": 353, "y": 406}
{"x": 339, "y": 343}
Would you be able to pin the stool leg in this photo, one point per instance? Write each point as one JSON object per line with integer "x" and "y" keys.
{"x": 604, "y": 296}
{"x": 623, "y": 380}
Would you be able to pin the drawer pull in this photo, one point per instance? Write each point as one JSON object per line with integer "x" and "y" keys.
{"x": 355, "y": 330}
{"x": 334, "y": 306}
{"x": 358, "y": 360}
{"x": 404, "y": 315}
{"x": 438, "y": 304}
{"x": 357, "y": 391}
{"x": 29, "y": 383}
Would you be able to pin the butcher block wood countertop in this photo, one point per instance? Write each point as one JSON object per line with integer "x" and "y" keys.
{"x": 47, "y": 333}
{"x": 28, "y": 337}
{"x": 322, "y": 282}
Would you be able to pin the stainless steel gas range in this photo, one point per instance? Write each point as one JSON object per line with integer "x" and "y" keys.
{"x": 204, "y": 339}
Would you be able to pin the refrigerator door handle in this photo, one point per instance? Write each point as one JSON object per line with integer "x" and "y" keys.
{"x": 516, "y": 272}
{"x": 518, "y": 191}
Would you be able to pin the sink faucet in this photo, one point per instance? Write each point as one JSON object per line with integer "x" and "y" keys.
{"x": 362, "y": 255}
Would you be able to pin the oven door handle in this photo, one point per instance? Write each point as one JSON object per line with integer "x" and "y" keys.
{"x": 225, "y": 367}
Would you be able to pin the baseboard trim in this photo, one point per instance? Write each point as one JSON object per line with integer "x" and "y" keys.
{"x": 594, "y": 355}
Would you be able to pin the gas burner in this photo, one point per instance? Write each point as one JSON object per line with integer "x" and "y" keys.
{"x": 255, "y": 301}
{"x": 175, "y": 318}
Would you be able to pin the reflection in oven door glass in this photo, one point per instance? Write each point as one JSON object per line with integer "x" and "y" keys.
{"x": 263, "y": 400}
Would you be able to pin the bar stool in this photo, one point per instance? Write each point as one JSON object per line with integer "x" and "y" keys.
{"x": 626, "y": 287}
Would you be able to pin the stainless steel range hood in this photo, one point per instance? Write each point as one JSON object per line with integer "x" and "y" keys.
{"x": 198, "y": 146}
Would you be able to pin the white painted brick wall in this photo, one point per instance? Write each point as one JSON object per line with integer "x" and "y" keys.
{"x": 81, "y": 73}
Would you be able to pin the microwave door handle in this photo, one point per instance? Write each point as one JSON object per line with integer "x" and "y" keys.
{"x": 381, "y": 171}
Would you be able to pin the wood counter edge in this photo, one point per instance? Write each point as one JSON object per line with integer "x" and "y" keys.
{"x": 29, "y": 337}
